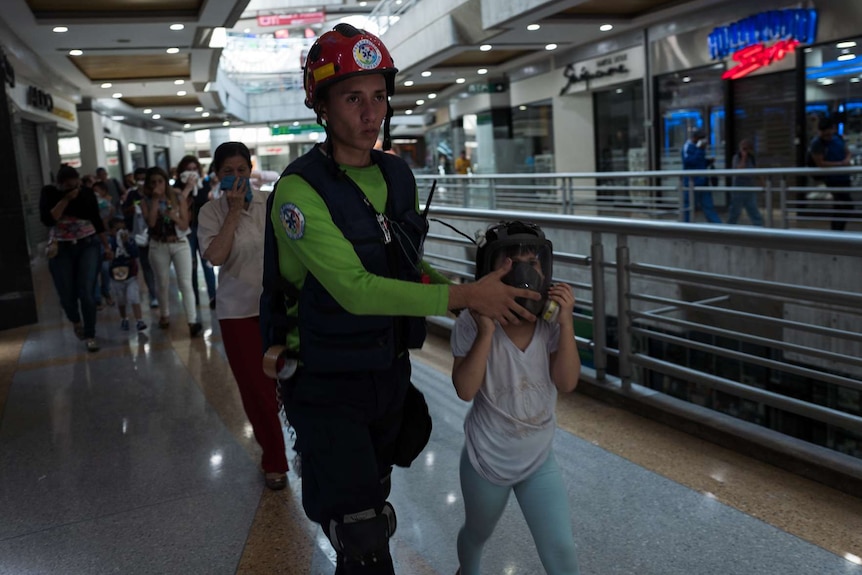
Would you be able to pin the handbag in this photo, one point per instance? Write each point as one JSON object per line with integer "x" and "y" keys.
{"x": 52, "y": 248}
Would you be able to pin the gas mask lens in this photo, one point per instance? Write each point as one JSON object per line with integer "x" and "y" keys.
{"x": 532, "y": 267}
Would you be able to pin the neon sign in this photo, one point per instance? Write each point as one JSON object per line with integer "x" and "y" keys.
{"x": 747, "y": 40}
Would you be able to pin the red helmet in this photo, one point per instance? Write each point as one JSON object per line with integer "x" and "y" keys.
{"x": 343, "y": 52}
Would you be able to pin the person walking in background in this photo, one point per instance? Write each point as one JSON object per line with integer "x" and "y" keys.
{"x": 196, "y": 188}
{"x": 124, "y": 274}
{"x": 72, "y": 213}
{"x": 102, "y": 292}
{"x": 137, "y": 226}
{"x": 166, "y": 211}
{"x": 694, "y": 158}
{"x": 739, "y": 200}
{"x": 115, "y": 188}
{"x": 828, "y": 150}
{"x": 512, "y": 374}
{"x": 463, "y": 164}
{"x": 231, "y": 231}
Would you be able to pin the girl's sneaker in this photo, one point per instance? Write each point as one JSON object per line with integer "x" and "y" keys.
{"x": 124, "y": 324}
{"x": 92, "y": 346}
{"x": 141, "y": 326}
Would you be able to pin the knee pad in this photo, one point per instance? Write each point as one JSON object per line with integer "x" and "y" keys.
{"x": 363, "y": 537}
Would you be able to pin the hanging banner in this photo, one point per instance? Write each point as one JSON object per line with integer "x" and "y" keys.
{"x": 299, "y": 19}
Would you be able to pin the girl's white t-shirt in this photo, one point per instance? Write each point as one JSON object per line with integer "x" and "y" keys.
{"x": 510, "y": 426}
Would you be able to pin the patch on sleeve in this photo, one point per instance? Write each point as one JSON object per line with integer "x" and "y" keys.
{"x": 293, "y": 221}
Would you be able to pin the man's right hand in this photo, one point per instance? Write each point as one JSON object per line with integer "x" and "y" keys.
{"x": 492, "y": 298}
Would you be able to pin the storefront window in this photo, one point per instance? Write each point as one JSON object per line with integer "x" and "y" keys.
{"x": 113, "y": 159}
{"x": 70, "y": 151}
{"x": 438, "y": 151}
{"x": 138, "y": 152}
{"x": 533, "y": 138}
{"x": 619, "y": 121}
{"x": 162, "y": 158}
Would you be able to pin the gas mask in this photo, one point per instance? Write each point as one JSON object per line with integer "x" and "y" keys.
{"x": 532, "y": 262}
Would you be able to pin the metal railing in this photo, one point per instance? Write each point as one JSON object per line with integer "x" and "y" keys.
{"x": 788, "y": 197}
{"x": 755, "y": 329}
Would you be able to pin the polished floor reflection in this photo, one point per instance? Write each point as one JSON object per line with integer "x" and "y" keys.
{"x": 138, "y": 459}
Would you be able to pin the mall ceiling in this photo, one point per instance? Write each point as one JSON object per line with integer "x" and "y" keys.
{"x": 149, "y": 61}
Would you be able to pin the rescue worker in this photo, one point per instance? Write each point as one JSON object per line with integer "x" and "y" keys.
{"x": 347, "y": 234}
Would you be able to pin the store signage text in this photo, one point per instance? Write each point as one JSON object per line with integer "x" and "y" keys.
{"x": 295, "y": 130}
{"x": 299, "y": 19}
{"x": 487, "y": 88}
{"x": 748, "y": 40}
{"x": 604, "y": 67}
{"x": 7, "y": 69}
{"x": 40, "y": 99}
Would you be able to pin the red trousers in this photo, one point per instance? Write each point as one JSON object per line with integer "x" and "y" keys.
{"x": 242, "y": 345}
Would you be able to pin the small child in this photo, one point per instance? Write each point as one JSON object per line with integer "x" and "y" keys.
{"x": 124, "y": 274}
{"x": 513, "y": 373}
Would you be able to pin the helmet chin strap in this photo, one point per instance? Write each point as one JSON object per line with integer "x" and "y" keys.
{"x": 387, "y": 137}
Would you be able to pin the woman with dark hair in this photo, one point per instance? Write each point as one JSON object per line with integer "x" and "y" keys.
{"x": 231, "y": 231}
{"x": 166, "y": 212}
{"x": 72, "y": 213}
{"x": 193, "y": 185}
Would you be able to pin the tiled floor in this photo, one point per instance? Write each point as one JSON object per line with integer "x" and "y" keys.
{"x": 139, "y": 459}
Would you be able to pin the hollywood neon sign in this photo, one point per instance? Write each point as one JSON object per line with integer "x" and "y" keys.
{"x": 762, "y": 39}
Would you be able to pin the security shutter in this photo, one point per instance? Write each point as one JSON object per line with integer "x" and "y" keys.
{"x": 765, "y": 112}
{"x": 31, "y": 182}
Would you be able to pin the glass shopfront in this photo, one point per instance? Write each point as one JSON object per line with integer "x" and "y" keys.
{"x": 533, "y": 138}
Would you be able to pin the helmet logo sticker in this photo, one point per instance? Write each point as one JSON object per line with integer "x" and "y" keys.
{"x": 366, "y": 55}
{"x": 293, "y": 221}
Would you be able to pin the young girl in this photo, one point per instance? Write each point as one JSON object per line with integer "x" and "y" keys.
{"x": 513, "y": 373}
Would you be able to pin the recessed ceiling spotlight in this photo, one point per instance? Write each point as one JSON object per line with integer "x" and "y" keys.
{"x": 460, "y": 80}
{"x": 176, "y": 27}
{"x": 116, "y": 95}
{"x": 482, "y": 71}
{"x": 408, "y": 83}
{"x": 118, "y": 118}
{"x": 686, "y": 79}
{"x": 408, "y": 112}
{"x": 363, "y": 4}
{"x": 181, "y": 93}
{"x": 296, "y": 122}
{"x": 606, "y": 27}
{"x": 845, "y": 57}
{"x": 485, "y": 47}
{"x": 199, "y": 109}
{"x": 148, "y": 110}
{"x": 179, "y": 82}
{"x": 76, "y": 52}
{"x": 432, "y": 96}
{"x": 60, "y": 29}
{"x": 187, "y": 126}
{"x": 522, "y": 107}
{"x": 551, "y": 47}
{"x": 225, "y": 123}
{"x": 850, "y": 44}
{"x": 854, "y": 80}
{"x": 619, "y": 90}
{"x": 426, "y": 73}
{"x": 246, "y": 30}
{"x": 157, "y": 116}
{"x": 533, "y": 27}
{"x": 172, "y": 50}
{"x": 106, "y": 85}
{"x": 420, "y": 102}
{"x": 205, "y": 115}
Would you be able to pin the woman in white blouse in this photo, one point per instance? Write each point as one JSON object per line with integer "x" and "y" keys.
{"x": 231, "y": 233}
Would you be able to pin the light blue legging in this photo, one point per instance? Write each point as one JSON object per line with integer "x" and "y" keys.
{"x": 544, "y": 503}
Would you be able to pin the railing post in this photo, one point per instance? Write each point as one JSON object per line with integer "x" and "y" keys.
{"x": 492, "y": 194}
{"x": 623, "y": 307}
{"x": 467, "y": 192}
{"x": 680, "y": 194}
{"x": 767, "y": 188}
{"x": 782, "y": 198}
{"x": 600, "y": 331}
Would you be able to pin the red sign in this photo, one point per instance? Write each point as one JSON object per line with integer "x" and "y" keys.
{"x": 757, "y": 56}
{"x": 299, "y": 19}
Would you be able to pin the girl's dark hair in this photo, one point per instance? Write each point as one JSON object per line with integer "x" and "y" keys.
{"x": 181, "y": 167}
{"x": 229, "y": 150}
{"x": 66, "y": 173}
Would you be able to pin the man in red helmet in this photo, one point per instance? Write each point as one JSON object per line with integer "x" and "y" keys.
{"x": 347, "y": 236}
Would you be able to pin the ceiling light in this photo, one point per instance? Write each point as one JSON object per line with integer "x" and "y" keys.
{"x": 619, "y": 90}
{"x": 426, "y": 73}
{"x": 522, "y": 107}
{"x": 314, "y": 135}
{"x": 205, "y": 115}
{"x": 408, "y": 112}
{"x": 808, "y": 50}
{"x": 854, "y": 80}
{"x": 157, "y": 116}
{"x": 199, "y": 109}
{"x": 686, "y": 79}
{"x": 148, "y": 110}
{"x": 296, "y": 122}
{"x": 118, "y": 118}
{"x": 460, "y": 80}
{"x": 363, "y": 4}
{"x": 225, "y": 123}
{"x": 398, "y": 2}
{"x": 408, "y": 83}
{"x": 533, "y": 27}
{"x": 246, "y": 30}
{"x": 179, "y": 82}
{"x": 76, "y": 52}
{"x": 116, "y": 95}
{"x": 485, "y": 47}
{"x": 187, "y": 126}
{"x": 106, "y": 85}
{"x": 60, "y": 29}
{"x": 218, "y": 37}
{"x": 845, "y": 57}
{"x": 432, "y": 96}
{"x": 420, "y": 102}
{"x": 606, "y": 27}
{"x": 551, "y": 47}
{"x": 481, "y": 71}
{"x": 172, "y": 50}
{"x": 182, "y": 93}
{"x": 850, "y": 44}
{"x": 176, "y": 27}
{"x": 826, "y": 81}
